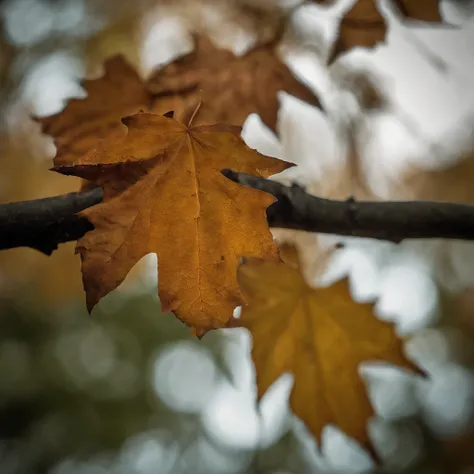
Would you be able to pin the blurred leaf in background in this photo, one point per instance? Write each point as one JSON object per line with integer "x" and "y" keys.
{"x": 127, "y": 390}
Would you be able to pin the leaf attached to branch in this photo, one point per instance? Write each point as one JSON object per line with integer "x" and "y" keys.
{"x": 164, "y": 193}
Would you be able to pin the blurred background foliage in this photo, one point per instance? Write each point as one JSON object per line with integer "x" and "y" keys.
{"x": 128, "y": 390}
{"x": 122, "y": 391}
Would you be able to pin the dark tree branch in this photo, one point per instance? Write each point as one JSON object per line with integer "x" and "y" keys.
{"x": 44, "y": 223}
{"x": 388, "y": 220}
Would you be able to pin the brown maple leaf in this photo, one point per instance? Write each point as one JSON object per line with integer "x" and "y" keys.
{"x": 164, "y": 193}
{"x": 321, "y": 336}
{"x": 363, "y": 25}
{"x": 84, "y": 122}
{"x": 231, "y": 87}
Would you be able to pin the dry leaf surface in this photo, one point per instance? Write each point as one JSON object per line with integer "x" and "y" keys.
{"x": 84, "y": 122}
{"x": 164, "y": 193}
{"x": 321, "y": 336}
{"x": 231, "y": 87}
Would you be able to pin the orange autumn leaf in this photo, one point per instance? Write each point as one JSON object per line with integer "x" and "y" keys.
{"x": 164, "y": 193}
{"x": 363, "y": 25}
{"x": 231, "y": 87}
{"x": 321, "y": 336}
{"x": 80, "y": 126}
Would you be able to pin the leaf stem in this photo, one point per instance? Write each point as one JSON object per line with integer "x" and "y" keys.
{"x": 198, "y": 106}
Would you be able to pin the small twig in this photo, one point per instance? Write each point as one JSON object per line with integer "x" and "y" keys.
{"x": 42, "y": 224}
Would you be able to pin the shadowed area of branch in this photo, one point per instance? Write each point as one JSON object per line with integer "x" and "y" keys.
{"x": 42, "y": 224}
